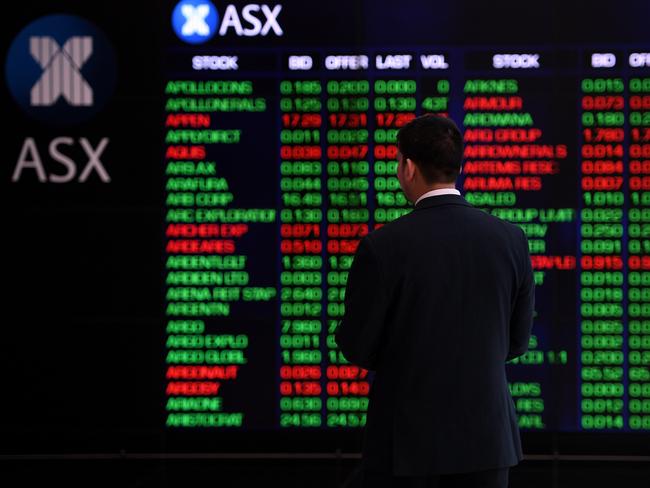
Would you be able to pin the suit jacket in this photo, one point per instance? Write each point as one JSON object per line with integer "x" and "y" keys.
{"x": 436, "y": 302}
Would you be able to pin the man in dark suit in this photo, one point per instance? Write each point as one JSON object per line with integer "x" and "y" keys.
{"x": 436, "y": 302}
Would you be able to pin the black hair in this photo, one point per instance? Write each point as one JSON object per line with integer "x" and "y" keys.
{"x": 435, "y": 144}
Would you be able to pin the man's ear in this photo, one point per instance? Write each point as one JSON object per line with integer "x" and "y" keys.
{"x": 410, "y": 169}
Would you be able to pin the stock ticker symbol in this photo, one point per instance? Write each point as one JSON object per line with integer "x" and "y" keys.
{"x": 195, "y": 21}
{"x": 60, "y": 69}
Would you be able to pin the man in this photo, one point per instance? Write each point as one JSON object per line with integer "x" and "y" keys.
{"x": 436, "y": 302}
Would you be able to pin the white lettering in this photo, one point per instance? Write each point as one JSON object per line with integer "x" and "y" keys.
{"x": 61, "y": 158}
{"x": 433, "y": 61}
{"x": 29, "y": 149}
{"x": 346, "y": 62}
{"x": 397, "y": 61}
{"x": 231, "y": 19}
{"x": 253, "y": 21}
{"x": 517, "y": 61}
{"x": 603, "y": 60}
{"x": 215, "y": 62}
{"x": 638, "y": 60}
{"x": 247, "y": 13}
{"x": 300, "y": 62}
{"x": 93, "y": 160}
{"x": 271, "y": 20}
{"x": 30, "y": 158}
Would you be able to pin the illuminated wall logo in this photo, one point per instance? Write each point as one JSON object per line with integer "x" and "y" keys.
{"x": 196, "y": 21}
{"x": 60, "y": 69}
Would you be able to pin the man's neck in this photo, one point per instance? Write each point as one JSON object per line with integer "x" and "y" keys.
{"x": 437, "y": 186}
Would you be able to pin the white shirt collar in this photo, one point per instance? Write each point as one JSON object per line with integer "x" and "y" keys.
{"x": 440, "y": 191}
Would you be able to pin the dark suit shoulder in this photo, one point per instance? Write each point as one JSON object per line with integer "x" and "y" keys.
{"x": 391, "y": 230}
{"x": 513, "y": 229}
{"x": 467, "y": 212}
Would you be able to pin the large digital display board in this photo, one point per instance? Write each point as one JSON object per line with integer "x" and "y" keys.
{"x": 279, "y": 156}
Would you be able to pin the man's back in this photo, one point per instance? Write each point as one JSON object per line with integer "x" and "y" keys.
{"x": 436, "y": 302}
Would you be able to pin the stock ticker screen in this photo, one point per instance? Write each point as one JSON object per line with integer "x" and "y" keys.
{"x": 279, "y": 155}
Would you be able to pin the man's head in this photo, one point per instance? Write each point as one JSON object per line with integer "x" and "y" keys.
{"x": 430, "y": 153}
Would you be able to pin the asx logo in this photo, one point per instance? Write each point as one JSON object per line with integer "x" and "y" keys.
{"x": 60, "y": 69}
{"x": 196, "y": 21}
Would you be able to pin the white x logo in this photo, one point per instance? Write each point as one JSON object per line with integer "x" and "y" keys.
{"x": 195, "y": 19}
{"x": 61, "y": 70}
